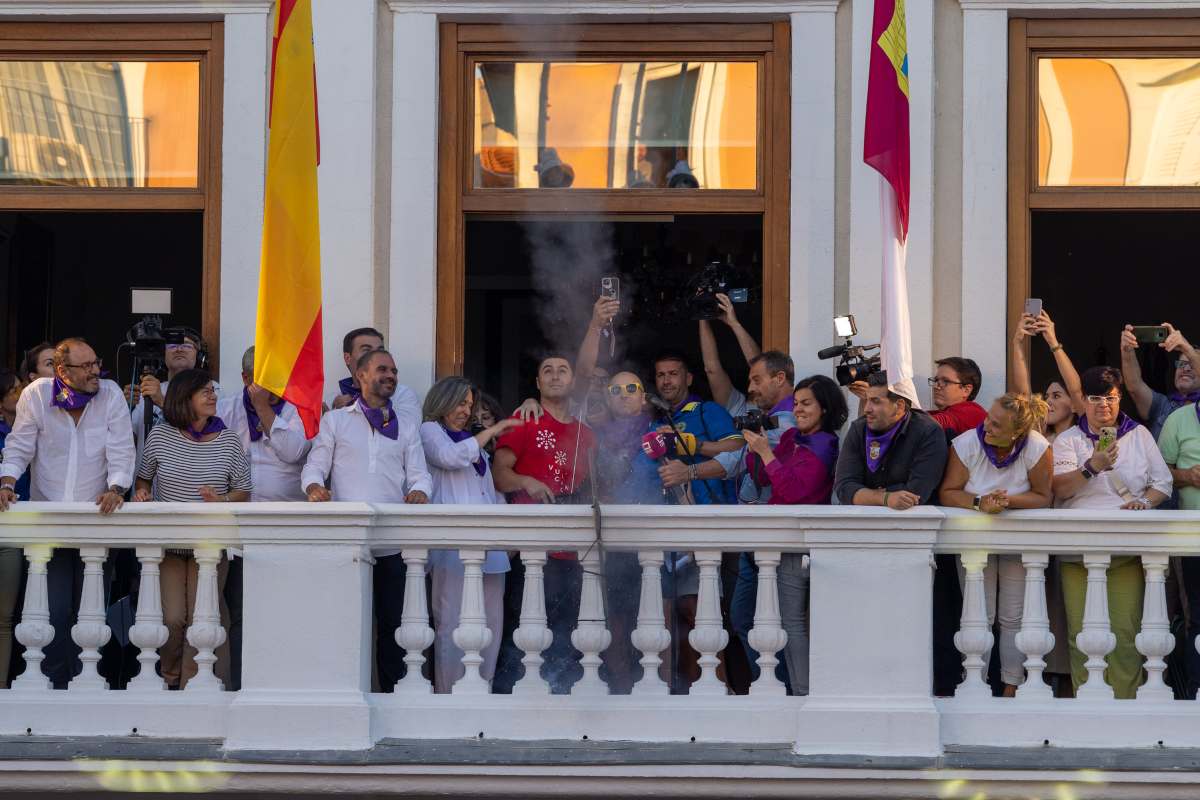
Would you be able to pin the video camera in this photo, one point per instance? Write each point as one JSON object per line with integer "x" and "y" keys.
{"x": 755, "y": 420}
{"x": 855, "y": 364}
{"x": 699, "y": 297}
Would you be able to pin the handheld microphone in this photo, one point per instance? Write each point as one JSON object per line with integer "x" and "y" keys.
{"x": 658, "y": 402}
{"x": 832, "y": 352}
{"x": 654, "y": 445}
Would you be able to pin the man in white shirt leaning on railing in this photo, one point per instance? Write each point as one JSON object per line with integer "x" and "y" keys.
{"x": 73, "y": 432}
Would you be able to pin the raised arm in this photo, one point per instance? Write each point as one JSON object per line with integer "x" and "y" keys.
{"x": 603, "y": 311}
{"x": 1176, "y": 343}
{"x": 1020, "y": 371}
{"x": 1066, "y": 370}
{"x": 718, "y": 378}
{"x": 746, "y": 342}
{"x": 1131, "y": 370}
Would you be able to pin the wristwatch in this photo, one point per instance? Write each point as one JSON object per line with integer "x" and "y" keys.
{"x": 121, "y": 490}
{"x": 1087, "y": 471}
{"x": 977, "y": 502}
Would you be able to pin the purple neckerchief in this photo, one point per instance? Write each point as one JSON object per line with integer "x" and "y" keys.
{"x": 479, "y": 464}
{"x": 252, "y": 420}
{"x": 989, "y": 450}
{"x": 823, "y": 445}
{"x": 214, "y": 425}
{"x": 786, "y": 404}
{"x": 691, "y": 398}
{"x": 348, "y": 386}
{"x": 1124, "y": 426}
{"x": 878, "y": 443}
{"x": 625, "y": 433}
{"x": 1181, "y": 399}
{"x": 69, "y": 399}
{"x": 382, "y": 420}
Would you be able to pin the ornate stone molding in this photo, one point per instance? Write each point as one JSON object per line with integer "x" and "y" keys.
{"x": 576, "y": 7}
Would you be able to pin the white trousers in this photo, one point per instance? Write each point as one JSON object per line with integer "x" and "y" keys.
{"x": 447, "y": 578}
{"x": 1004, "y": 593}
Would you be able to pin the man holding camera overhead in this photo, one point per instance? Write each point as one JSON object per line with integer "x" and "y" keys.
{"x": 185, "y": 352}
{"x": 1154, "y": 407}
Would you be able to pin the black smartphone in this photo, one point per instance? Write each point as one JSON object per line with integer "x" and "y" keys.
{"x": 610, "y": 287}
{"x": 1150, "y": 334}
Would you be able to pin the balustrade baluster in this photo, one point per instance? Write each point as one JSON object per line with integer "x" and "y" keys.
{"x": 415, "y": 633}
{"x": 90, "y": 631}
{"x": 651, "y": 636}
{"x": 35, "y": 630}
{"x": 974, "y": 637}
{"x": 1035, "y": 639}
{"x": 205, "y": 633}
{"x": 472, "y": 634}
{"x": 767, "y": 636}
{"x": 533, "y": 636}
{"x": 149, "y": 633}
{"x": 709, "y": 636}
{"x": 590, "y": 636}
{"x": 1155, "y": 641}
{"x": 1096, "y": 639}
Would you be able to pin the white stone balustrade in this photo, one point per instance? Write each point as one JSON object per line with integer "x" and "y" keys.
{"x": 308, "y": 627}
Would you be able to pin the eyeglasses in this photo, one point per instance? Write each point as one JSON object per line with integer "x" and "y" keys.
{"x": 1104, "y": 399}
{"x": 629, "y": 388}
{"x": 942, "y": 383}
{"x": 181, "y": 346}
{"x": 89, "y": 366}
{"x": 1183, "y": 363}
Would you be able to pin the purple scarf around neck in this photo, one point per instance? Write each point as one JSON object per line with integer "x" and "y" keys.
{"x": 348, "y": 386}
{"x": 69, "y": 399}
{"x": 1181, "y": 399}
{"x": 213, "y": 425}
{"x": 252, "y": 420}
{"x": 989, "y": 450}
{"x": 1124, "y": 425}
{"x": 878, "y": 443}
{"x": 480, "y": 464}
{"x": 823, "y": 445}
{"x": 383, "y": 420}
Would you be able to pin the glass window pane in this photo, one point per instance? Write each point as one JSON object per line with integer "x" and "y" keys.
{"x": 124, "y": 124}
{"x": 616, "y": 125}
{"x": 1118, "y": 122}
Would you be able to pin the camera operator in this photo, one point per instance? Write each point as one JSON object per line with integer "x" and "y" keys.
{"x": 1154, "y": 407}
{"x": 955, "y": 385}
{"x": 722, "y": 388}
{"x": 177, "y": 356}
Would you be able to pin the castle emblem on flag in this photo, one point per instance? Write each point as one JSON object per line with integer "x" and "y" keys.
{"x": 894, "y": 44}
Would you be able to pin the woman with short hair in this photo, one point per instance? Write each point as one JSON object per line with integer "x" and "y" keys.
{"x": 1109, "y": 462}
{"x": 800, "y": 470}
{"x": 190, "y": 457}
{"x": 1004, "y": 463}
{"x": 461, "y": 473}
{"x": 38, "y": 362}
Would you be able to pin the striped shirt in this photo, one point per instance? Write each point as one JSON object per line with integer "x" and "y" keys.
{"x": 178, "y": 466}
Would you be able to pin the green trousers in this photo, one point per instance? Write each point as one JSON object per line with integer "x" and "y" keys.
{"x": 1126, "y": 585}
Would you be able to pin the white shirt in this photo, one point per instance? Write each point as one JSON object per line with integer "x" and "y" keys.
{"x": 1139, "y": 467}
{"x": 277, "y": 458}
{"x": 364, "y": 465}
{"x": 70, "y": 462}
{"x": 985, "y": 476}
{"x": 455, "y": 481}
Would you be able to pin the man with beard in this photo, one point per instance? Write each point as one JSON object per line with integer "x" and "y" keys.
{"x": 356, "y": 344}
{"x": 72, "y": 431}
{"x": 369, "y": 453}
{"x": 547, "y": 461}
{"x": 1154, "y": 407}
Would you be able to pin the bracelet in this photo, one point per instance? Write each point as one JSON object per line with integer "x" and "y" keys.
{"x": 7, "y": 488}
{"x": 885, "y": 496}
{"x": 692, "y": 473}
{"x": 1056, "y": 348}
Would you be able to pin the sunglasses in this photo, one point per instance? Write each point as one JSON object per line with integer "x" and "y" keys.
{"x": 629, "y": 388}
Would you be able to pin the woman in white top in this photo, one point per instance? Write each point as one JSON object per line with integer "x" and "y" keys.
{"x": 1002, "y": 464}
{"x": 461, "y": 474}
{"x": 1129, "y": 473}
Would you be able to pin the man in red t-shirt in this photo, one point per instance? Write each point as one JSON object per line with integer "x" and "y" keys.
{"x": 955, "y": 385}
{"x": 546, "y": 461}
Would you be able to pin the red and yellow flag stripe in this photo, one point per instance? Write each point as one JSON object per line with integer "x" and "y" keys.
{"x": 288, "y": 357}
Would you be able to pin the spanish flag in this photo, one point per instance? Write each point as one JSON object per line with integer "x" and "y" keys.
{"x": 886, "y": 149}
{"x": 288, "y": 359}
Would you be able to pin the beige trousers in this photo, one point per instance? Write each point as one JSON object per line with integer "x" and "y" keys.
{"x": 179, "y": 574}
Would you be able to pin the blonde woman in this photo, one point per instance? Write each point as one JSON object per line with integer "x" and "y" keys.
{"x": 1004, "y": 463}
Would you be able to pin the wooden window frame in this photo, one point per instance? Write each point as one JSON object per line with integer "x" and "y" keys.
{"x": 140, "y": 41}
{"x": 462, "y": 44}
{"x": 1031, "y": 39}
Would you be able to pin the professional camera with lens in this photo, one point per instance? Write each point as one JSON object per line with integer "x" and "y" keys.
{"x": 855, "y": 364}
{"x": 714, "y": 278}
{"x": 755, "y": 420}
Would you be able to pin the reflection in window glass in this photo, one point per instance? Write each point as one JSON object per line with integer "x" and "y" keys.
{"x": 99, "y": 123}
{"x": 1118, "y": 122}
{"x": 609, "y": 125}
